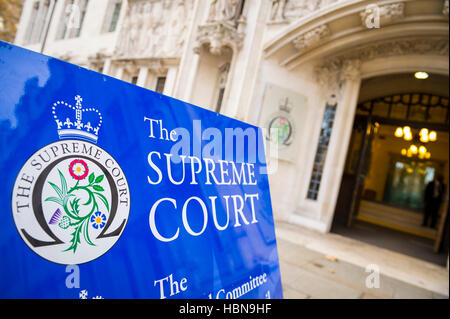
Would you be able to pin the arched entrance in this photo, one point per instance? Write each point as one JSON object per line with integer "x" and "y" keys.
{"x": 337, "y": 61}
{"x": 386, "y": 172}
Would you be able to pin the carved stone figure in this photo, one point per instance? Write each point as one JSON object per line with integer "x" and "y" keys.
{"x": 222, "y": 10}
{"x": 277, "y": 13}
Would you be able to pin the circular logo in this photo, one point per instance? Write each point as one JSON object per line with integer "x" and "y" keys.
{"x": 283, "y": 128}
{"x": 70, "y": 202}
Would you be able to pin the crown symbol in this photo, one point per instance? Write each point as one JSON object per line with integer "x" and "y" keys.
{"x": 285, "y": 105}
{"x": 85, "y": 125}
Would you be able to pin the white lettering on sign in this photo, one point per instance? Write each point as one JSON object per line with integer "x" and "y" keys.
{"x": 193, "y": 213}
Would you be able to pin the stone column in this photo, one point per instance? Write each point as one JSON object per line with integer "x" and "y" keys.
{"x": 189, "y": 60}
{"x": 170, "y": 80}
{"x": 107, "y": 66}
{"x": 142, "y": 76}
{"x": 347, "y": 92}
{"x": 40, "y": 22}
{"x": 119, "y": 72}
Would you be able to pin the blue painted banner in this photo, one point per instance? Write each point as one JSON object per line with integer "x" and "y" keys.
{"x": 114, "y": 191}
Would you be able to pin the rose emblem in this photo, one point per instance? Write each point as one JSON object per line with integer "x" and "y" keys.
{"x": 78, "y": 169}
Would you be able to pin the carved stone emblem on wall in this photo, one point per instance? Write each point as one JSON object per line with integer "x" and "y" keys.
{"x": 282, "y": 119}
{"x": 154, "y": 28}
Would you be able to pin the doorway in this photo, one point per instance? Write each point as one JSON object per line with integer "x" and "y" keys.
{"x": 381, "y": 199}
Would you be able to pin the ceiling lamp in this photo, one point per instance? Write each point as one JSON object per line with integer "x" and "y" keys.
{"x": 398, "y": 132}
{"x": 417, "y": 149}
{"x": 424, "y": 135}
{"x": 422, "y": 150}
{"x": 421, "y": 75}
{"x": 432, "y": 136}
{"x": 424, "y": 138}
{"x": 423, "y": 132}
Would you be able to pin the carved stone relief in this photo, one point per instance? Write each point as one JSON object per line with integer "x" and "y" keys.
{"x": 289, "y": 10}
{"x": 222, "y": 28}
{"x": 311, "y": 38}
{"x": 154, "y": 28}
{"x": 345, "y": 66}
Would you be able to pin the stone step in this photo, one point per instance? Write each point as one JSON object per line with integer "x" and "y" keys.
{"x": 404, "y": 221}
{"x": 391, "y": 217}
{"x": 395, "y": 212}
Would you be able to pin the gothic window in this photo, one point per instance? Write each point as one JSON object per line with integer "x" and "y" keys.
{"x": 112, "y": 16}
{"x": 115, "y": 17}
{"x": 321, "y": 152}
{"x": 83, "y": 7}
{"x": 223, "y": 77}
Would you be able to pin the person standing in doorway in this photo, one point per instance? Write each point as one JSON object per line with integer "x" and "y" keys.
{"x": 433, "y": 197}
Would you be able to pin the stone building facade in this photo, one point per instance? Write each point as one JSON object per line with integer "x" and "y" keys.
{"x": 300, "y": 62}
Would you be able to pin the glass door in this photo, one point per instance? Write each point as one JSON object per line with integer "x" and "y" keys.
{"x": 406, "y": 182}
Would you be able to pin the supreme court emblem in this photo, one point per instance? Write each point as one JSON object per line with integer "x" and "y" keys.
{"x": 282, "y": 124}
{"x": 71, "y": 199}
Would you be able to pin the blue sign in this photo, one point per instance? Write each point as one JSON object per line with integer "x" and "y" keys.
{"x": 114, "y": 191}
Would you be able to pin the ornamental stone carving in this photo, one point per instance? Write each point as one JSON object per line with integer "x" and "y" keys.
{"x": 327, "y": 75}
{"x": 223, "y": 27}
{"x": 345, "y": 66}
{"x": 154, "y": 28}
{"x": 332, "y": 74}
{"x": 218, "y": 36}
{"x": 223, "y": 10}
{"x": 350, "y": 70}
{"x": 311, "y": 38}
{"x": 296, "y": 9}
{"x": 435, "y": 46}
{"x": 277, "y": 13}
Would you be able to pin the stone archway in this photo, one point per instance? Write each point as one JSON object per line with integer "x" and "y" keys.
{"x": 344, "y": 51}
